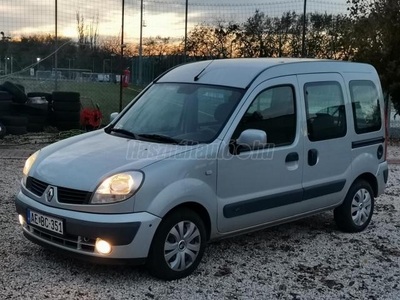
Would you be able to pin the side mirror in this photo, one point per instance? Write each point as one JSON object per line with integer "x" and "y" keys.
{"x": 251, "y": 139}
{"x": 113, "y": 116}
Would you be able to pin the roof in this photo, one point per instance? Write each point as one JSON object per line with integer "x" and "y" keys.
{"x": 238, "y": 72}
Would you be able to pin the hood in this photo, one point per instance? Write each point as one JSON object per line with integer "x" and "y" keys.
{"x": 82, "y": 162}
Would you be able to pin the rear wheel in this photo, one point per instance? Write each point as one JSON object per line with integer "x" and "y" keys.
{"x": 355, "y": 213}
{"x": 178, "y": 245}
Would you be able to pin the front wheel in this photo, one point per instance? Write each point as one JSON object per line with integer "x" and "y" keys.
{"x": 177, "y": 246}
{"x": 355, "y": 213}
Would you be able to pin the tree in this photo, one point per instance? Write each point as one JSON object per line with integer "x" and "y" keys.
{"x": 88, "y": 34}
{"x": 377, "y": 27}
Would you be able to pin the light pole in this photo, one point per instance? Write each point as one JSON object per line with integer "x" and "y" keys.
{"x": 111, "y": 61}
{"x": 38, "y": 60}
{"x": 6, "y": 64}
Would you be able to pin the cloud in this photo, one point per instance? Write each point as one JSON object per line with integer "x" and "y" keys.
{"x": 162, "y": 17}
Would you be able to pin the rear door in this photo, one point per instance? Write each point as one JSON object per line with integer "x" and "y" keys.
{"x": 327, "y": 149}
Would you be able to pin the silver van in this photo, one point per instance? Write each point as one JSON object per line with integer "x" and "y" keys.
{"x": 209, "y": 150}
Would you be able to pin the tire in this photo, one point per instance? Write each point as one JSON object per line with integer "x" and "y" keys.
{"x": 5, "y": 96}
{"x": 67, "y": 125}
{"x": 67, "y": 106}
{"x": 21, "y": 109}
{"x": 66, "y": 116}
{"x": 3, "y": 131}
{"x": 164, "y": 236}
{"x": 14, "y": 121}
{"x": 16, "y": 130}
{"x": 47, "y": 96}
{"x": 360, "y": 199}
{"x": 66, "y": 97}
{"x": 5, "y": 108}
{"x": 33, "y": 127}
{"x": 37, "y": 120}
{"x": 18, "y": 95}
{"x": 21, "y": 87}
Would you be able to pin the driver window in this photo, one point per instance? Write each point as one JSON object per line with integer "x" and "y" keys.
{"x": 273, "y": 111}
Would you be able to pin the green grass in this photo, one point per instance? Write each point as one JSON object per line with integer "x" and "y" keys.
{"x": 104, "y": 94}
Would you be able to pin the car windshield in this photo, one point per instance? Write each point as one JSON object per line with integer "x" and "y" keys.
{"x": 180, "y": 113}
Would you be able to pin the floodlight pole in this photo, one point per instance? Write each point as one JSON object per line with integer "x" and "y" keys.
{"x": 122, "y": 57}
{"x": 186, "y": 27}
{"x": 303, "y": 42}
{"x": 56, "y": 44}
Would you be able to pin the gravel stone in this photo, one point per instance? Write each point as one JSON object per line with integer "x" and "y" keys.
{"x": 306, "y": 259}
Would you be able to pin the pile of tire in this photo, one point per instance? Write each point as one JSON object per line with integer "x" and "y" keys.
{"x": 66, "y": 109}
{"x": 12, "y": 96}
{"x": 15, "y": 125}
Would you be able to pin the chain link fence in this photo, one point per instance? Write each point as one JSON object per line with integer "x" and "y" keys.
{"x": 75, "y": 45}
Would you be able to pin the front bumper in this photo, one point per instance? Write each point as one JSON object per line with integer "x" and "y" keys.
{"x": 129, "y": 234}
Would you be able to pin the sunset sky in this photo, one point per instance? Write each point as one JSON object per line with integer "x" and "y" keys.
{"x": 161, "y": 17}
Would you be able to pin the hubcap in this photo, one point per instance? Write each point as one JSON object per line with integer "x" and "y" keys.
{"x": 361, "y": 207}
{"x": 182, "y": 245}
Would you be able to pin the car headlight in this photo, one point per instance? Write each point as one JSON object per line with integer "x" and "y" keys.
{"x": 118, "y": 187}
{"x": 28, "y": 165}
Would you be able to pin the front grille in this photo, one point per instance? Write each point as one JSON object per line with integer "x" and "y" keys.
{"x": 73, "y": 242}
{"x": 71, "y": 196}
{"x": 64, "y": 195}
{"x": 36, "y": 186}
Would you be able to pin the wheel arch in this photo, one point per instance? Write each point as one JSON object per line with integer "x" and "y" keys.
{"x": 371, "y": 179}
{"x": 197, "y": 208}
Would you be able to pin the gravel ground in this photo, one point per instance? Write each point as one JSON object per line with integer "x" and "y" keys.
{"x": 307, "y": 259}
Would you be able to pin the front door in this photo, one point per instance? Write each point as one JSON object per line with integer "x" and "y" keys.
{"x": 260, "y": 186}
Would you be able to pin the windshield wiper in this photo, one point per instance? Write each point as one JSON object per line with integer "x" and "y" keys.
{"x": 124, "y": 132}
{"x": 159, "y": 138}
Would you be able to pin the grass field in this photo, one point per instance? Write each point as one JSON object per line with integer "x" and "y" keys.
{"x": 105, "y": 94}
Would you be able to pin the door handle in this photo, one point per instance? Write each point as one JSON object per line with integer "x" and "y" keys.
{"x": 293, "y": 156}
{"x": 312, "y": 157}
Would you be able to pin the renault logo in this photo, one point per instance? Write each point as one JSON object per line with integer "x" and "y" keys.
{"x": 50, "y": 194}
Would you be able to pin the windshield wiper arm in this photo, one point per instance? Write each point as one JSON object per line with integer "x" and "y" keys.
{"x": 159, "y": 138}
{"x": 124, "y": 132}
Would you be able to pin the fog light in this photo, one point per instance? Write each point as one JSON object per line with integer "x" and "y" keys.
{"x": 103, "y": 247}
{"x": 21, "y": 220}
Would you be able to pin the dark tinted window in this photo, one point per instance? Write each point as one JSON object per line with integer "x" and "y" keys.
{"x": 272, "y": 111}
{"x": 366, "y": 108}
{"x": 326, "y": 115}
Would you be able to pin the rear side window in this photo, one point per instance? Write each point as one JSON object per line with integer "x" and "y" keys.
{"x": 366, "y": 108}
{"x": 326, "y": 114}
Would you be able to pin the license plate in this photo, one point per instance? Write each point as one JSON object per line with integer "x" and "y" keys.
{"x": 46, "y": 222}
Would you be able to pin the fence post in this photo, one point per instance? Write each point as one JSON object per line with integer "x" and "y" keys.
{"x": 122, "y": 57}
{"x": 141, "y": 43}
{"x": 303, "y": 40}
{"x": 186, "y": 25}
{"x": 56, "y": 44}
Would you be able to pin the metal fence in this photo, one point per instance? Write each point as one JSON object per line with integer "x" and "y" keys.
{"x": 85, "y": 46}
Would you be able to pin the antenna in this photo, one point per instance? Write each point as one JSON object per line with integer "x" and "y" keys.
{"x": 198, "y": 75}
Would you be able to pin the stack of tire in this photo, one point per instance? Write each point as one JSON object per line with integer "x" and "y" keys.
{"x": 37, "y": 114}
{"x": 66, "y": 109}
{"x": 5, "y": 109}
{"x": 11, "y": 98}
